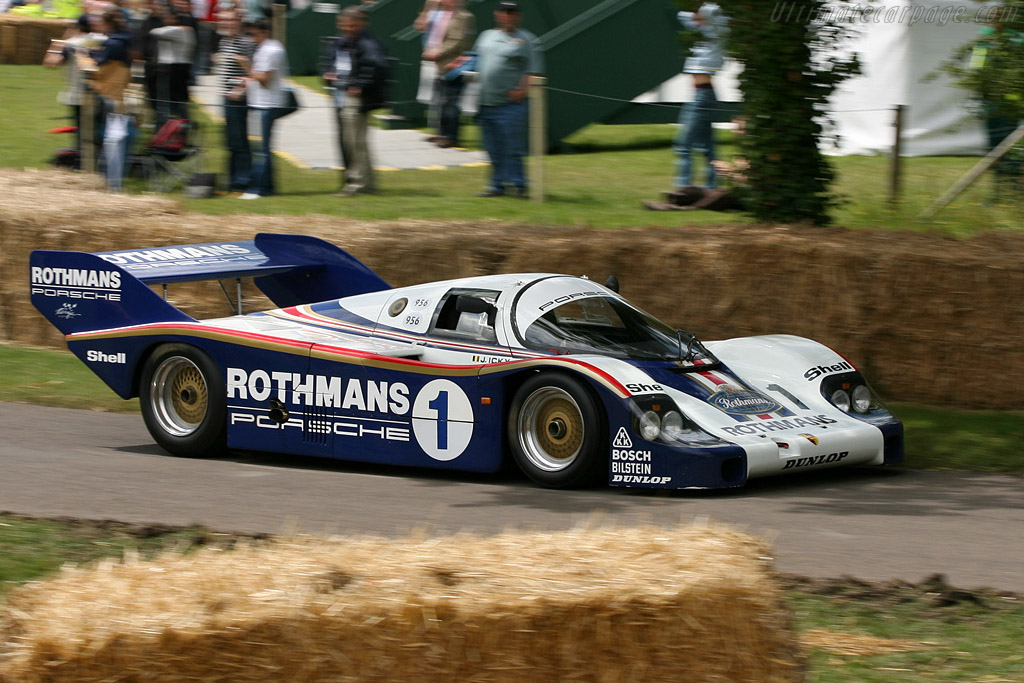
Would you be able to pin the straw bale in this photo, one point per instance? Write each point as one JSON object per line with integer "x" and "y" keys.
{"x": 24, "y": 40}
{"x": 642, "y": 604}
{"x": 858, "y": 645}
{"x": 928, "y": 318}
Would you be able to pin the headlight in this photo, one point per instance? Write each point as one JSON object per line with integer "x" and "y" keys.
{"x": 671, "y": 425}
{"x": 656, "y": 417}
{"x": 840, "y": 399}
{"x": 861, "y": 398}
{"x": 650, "y": 425}
{"x": 848, "y": 392}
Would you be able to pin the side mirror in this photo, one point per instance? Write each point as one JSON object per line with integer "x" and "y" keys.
{"x": 612, "y": 283}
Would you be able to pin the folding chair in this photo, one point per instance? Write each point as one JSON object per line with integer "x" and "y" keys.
{"x": 173, "y": 155}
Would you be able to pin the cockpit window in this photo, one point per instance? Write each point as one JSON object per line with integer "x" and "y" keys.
{"x": 466, "y": 314}
{"x": 604, "y": 325}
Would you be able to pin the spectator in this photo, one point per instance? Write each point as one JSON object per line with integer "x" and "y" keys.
{"x": 695, "y": 118}
{"x": 111, "y": 72}
{"x": 146, "y": 50}
{"x": 186, "y": 17}
{"x": 358, "y": 64}
{"x": 693, "y": 198}
{"x": 507, "y": 56}
{"x": 448, "y": 35}
{"x": 266, "y": 73}
{"x": 203, "y": 12}
{"x": 255, "y": 10}
{"x": 66, "y": 52}
{"x": 730, "y": 198}
{"x": 231, "y": 74}
{"x": 425, "y": 92}
{"x": 175, "y": 47}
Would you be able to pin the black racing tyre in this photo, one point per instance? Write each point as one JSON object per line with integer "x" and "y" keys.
{"x": 556, "y": 431}
{"x": 183, "y": 401}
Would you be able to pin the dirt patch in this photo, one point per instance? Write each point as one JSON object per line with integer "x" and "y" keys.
{"x": 198, "y": 536}
{"x": 926, "y": 318}
{"x": 933, "y": 596}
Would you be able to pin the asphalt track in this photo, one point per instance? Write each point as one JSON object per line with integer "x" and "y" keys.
{"x": 870, "y": 523}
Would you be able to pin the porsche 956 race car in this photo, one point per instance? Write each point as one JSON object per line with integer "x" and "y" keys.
{"x": 561, "y": 373}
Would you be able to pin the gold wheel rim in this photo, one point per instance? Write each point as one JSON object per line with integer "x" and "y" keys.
{"x": 189, "y": 395}
{"x": 179, "y": 397}
{"x": 551, "y": 429}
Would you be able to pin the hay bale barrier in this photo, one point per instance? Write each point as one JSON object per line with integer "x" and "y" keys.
{"x": 928, "y": 318}
{"x": 24, "y": 40}
{"x": 643, "y": 604}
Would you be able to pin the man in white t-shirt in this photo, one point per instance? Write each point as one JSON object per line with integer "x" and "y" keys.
{"x": 266, "y": 75}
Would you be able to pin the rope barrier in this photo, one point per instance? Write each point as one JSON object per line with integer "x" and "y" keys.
{"x": 666, "y": 105}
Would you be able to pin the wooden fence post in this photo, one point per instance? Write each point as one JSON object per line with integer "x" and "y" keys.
{"x": 538, "y": 136}
{"x": 896, "y": 167}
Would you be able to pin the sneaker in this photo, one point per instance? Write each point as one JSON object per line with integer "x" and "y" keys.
{"x": 249, "y": 195}
{"x": 490, "y": 193}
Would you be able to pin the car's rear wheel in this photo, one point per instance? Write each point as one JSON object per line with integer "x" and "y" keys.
{"x": 555, "y": 431}
{"x": 182, "y": 397}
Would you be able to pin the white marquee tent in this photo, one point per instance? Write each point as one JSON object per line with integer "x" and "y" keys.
{"x": 900, "y": 44}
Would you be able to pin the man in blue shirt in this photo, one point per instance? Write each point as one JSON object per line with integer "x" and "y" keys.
{"x": 507, "y": 56}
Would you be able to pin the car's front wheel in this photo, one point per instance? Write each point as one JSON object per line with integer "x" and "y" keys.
{"x": 555, "y": 431}
{"x": 183, "y": 399}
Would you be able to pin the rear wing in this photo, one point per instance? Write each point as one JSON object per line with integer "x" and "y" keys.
{"x": 78, "y": 291}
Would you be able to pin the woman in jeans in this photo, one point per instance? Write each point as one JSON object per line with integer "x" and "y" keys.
{"x": 109, "y": 73}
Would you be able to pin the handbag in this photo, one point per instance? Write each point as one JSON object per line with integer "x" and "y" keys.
{"x": 291, "y": 101}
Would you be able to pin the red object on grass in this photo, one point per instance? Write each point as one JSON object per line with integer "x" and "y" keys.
{"x": 63, "y": 129}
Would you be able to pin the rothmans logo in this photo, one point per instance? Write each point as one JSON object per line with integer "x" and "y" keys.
{"x": 83, "y": 278}
{"x": 737, "y": 401}
{"x": 172, "y": 255}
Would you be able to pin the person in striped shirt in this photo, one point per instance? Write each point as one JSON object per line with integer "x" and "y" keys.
{"x": 231, "y": 74}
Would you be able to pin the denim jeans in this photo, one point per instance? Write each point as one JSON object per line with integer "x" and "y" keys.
{"x": 117, "y": 143}
{"x": 236, "y": 129}
{"x": 695, "y": 131}
{"x": 263, "y": 160}
{"x": 504, "y": 130}
{"x": 450, "y": 113}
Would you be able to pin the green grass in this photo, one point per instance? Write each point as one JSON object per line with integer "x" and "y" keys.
{"x": 601, "y": 185}
{"x": 936, "y": 438}
{"x": 966, "y": 641}
{"x": 55, "y": 378}
{"x": 960, "y": 439}
{"x": 34, "y": 548}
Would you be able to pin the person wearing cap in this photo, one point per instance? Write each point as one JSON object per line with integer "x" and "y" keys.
{"x": 506, "y": 57}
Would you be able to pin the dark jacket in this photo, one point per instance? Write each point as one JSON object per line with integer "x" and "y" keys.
{"x": 370, "y": 67}
{"x": 117, "y": 47}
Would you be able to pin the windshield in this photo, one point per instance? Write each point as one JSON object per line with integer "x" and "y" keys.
{"x": 609, "y": 326}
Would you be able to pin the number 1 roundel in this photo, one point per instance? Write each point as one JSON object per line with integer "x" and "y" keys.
{"x": 442, "y": 419}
